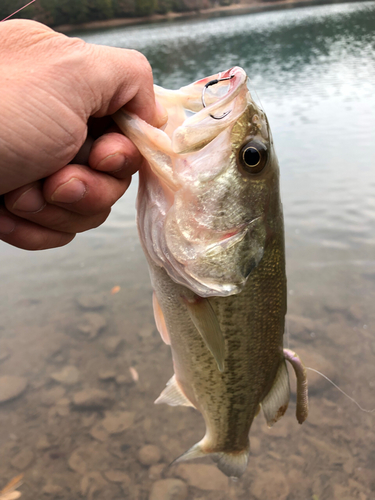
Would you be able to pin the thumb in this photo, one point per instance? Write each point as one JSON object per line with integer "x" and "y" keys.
{"x": 122, "y": 77}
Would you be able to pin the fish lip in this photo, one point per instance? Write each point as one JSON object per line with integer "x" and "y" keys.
{"x": 238, "y": 78}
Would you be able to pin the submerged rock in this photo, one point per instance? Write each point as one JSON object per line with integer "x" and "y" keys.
{"x": 92, "y": 399}
{"x": 169, "y": 489}
{"x": 118, "y": 421}
{"x": 91, "y": 325}
{"x": 11, "y": 387}
{"x": 23, "y": 459}
{"x": 205, "y": 477}
{"x": 149, "y": 455}
{"x": 69, "y": 375}
{"x": 53, "y": 490}
{"x": 117, "y": 476}
{"x": 112, "y": 344}
{"x": 270, "y": 484}
{"x": 93, "y": 302}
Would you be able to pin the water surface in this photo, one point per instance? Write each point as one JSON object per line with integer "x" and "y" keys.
{"x": 313, "y": 70}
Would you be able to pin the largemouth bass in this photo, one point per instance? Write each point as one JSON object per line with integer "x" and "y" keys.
{"x": 211, "y": 225}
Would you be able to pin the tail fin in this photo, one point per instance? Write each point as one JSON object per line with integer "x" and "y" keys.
{"x": 232, "y": 464}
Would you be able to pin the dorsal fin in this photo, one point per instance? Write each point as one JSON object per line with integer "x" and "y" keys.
{"x": 276, "y": 402}
{"x": 173, "y": 395}
{"x": 207, "y": 324}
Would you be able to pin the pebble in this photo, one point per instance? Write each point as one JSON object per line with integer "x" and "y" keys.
{"x": 169, "y": 489}
{"x": 78, "y": 460}
{"x": 92, "y": 483}
{"x": 92, "y": 399}
{"x": 156, "y": 471}
{"x": 92, "y": 302}
{"x": 23, "y": 459}
{"x": 43, "y": 443}
{"x": 11, "y": 387}
{"x": 53, "y": 490}
{"x": 50, "y": 396}
{"x": 124, "y": 380}
{"x": 112, "y": 344}
{"x": 205, "y": 477}
{"x": 149, "y": 455}
{"x": 117, "y": 476}
{"x": 99, "y": 433}
{"x": 270, "y": 484}
{"x": 69, "y": 375}
{"x": 91, "y": 325}
{"x": 62, "y": 407}
{"x": 106, "y": 375}
{"x": 118, "y": 421}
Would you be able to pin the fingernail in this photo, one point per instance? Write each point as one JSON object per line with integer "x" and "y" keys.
{"x": 30, "y": 201}
{"x": 7, "y": 225}
{"x": 70, "y": 192}
{"x": 112, "y": 163}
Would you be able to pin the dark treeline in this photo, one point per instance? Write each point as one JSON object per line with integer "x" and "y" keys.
{"x": 55, "y": 12}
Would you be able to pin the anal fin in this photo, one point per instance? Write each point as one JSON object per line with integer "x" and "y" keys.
{"x": 173, "y": 395}
{"x": 275, "y": 404}
{"x": 207, "y": 324}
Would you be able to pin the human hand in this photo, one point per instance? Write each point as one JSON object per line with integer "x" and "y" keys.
{"x": 52, "y": 87}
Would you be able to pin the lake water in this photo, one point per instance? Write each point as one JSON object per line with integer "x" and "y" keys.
{"x": 313, "y": 70}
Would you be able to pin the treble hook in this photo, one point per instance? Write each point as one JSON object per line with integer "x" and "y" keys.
{"x": 209, "y": 84}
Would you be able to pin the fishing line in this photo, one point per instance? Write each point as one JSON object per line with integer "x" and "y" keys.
{"x": 32, "y": 1}
{"x": 257, "y": 95}
{"x": 343, "y": 392}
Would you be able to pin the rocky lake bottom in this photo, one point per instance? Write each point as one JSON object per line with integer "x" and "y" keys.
{"x": 81, "y": 363}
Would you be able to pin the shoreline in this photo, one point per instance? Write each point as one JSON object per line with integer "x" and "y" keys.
{"x": 230, "y": 10}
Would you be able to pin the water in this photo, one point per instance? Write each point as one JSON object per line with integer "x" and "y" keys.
{"x": 314, "y": 71}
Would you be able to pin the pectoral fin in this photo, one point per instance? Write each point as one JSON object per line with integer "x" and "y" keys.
{"x": 160, "y": 320}
{"x": 173, "y": 395}
{"x": 207, "y": 324}
{"x": 276, "y": 402}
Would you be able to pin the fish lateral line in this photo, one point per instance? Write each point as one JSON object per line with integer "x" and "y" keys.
{"x": 341, "y": 390}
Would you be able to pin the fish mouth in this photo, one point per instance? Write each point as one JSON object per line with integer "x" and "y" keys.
{"x": 219, "y": 90}
{"x": 217, "y": 102}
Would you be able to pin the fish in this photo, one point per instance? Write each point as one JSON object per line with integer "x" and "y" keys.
{"x": 210, "y": 222}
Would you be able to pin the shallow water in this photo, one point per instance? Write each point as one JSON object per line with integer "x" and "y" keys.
{"x": 314, "y": 72}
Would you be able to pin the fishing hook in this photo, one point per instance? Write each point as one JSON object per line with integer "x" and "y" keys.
{"x": 214, "y": 82}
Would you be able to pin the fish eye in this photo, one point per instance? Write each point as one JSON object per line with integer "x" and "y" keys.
{"x": 254, "y": 156}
